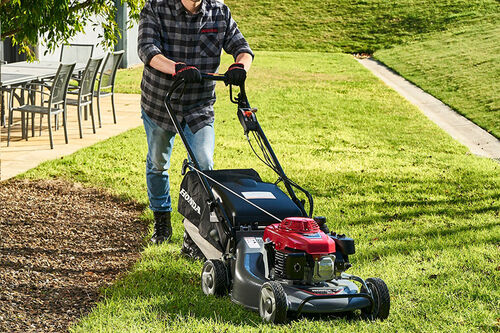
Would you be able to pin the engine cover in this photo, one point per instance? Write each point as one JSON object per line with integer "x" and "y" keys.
{"x": 299, "y": 233}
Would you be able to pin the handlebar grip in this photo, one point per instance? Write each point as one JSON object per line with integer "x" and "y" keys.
{"x": 213, "y": 76}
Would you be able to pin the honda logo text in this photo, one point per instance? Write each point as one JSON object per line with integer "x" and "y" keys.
{"x": 190, "y": 201}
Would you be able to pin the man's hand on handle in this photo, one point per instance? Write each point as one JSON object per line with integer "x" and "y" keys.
{"x": 190, "y": 74}
{"x": 236, "y": 74}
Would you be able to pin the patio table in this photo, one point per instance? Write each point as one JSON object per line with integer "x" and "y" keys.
{"x": 7, "y": 81}
{"x": 41, "y": 70}
{"x": 23, "y": 72}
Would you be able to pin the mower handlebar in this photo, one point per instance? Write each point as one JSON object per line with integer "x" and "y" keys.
{"x": 213, "y": 76}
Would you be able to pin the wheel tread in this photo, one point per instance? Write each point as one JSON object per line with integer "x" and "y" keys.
{"x": 383, "y": 299}
{"x": 281, "y": 301}
{"x": 220, "y": 276}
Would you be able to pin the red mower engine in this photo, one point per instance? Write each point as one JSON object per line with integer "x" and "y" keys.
{"x": 296, "y": 249}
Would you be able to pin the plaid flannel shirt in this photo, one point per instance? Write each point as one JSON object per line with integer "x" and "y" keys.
{"x": 166, "y": 27}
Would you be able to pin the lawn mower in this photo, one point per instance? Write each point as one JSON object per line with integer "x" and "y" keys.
{"x": 260, "y": 244}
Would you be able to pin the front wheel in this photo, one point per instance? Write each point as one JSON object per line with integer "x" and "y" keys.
{"x": 214, "y": 278}
{"x": 273, "y": 304}
{"x": 381, "y": 299}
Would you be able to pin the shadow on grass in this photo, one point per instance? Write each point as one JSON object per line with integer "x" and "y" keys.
{"x": 172, "y": 292}
{"x": 172, "y": 288}
{"x": 425, "y": 208}
{"x": 408, "y": 241}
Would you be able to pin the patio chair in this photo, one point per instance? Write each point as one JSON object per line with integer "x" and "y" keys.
{"x": 80, "y": 53}
{"x": 2, "y": 102}
{"x": 106, "y": 85}
{"x": 56, "y": 102}
{"x": 85, "y": 91}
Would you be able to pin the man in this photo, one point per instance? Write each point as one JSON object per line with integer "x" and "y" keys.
{"x": 178, "y": 39}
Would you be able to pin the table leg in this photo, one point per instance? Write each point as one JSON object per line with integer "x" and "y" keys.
{"x": 32, "y": 98}
{"x": 2, "y": 109}
{"x": 23, "y": 125}
{"x": 23, "y": 118}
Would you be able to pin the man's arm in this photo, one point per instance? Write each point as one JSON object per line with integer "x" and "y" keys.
{"x": 149, "y": 42}
{"x": 163, "y": 64}
{"x": 235, "y": 44}
{"x": 245, "y": 59}
{"x": 148, "y": 39}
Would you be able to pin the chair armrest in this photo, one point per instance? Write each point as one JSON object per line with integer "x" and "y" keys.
{"x": 43, "y": 84}
{"x": 34, "y": 90}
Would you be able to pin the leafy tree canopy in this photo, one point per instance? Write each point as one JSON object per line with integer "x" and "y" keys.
{"x": 54, "y": 22}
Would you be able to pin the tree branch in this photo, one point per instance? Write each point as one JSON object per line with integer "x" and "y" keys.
{"x": 77, "y": 7}
{"x": 9, "y": 33}
{"x": 3, "y": 2}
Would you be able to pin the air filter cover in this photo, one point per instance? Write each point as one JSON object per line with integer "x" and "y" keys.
{"x": 299, "y": 233}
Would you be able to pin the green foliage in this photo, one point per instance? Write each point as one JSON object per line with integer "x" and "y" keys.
{"x": 459, "y": 67}
{"x": 423, "y": 211}
{"x": 353, "y": 26}
{"x": 55, "y": 22}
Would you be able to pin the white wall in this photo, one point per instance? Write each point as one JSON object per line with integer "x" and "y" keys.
{"x": 91, "y": 37}
{"x": 131, "y": 54}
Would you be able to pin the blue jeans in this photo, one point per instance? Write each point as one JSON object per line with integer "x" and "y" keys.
{"x": 160, "y": 144}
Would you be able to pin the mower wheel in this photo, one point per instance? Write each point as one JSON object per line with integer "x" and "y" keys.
{"x": 214, "y": 278}
{"x": 381, "y": 298}
{"x": 190, "y": 249}
{"x": 273, "y": 304}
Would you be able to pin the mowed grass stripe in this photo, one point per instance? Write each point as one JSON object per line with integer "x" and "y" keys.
{"x": 459, "y": 67}
{"x": 423, "y": 211}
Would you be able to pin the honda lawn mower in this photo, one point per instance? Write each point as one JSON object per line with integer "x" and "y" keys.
{"x": 261, "y": 246}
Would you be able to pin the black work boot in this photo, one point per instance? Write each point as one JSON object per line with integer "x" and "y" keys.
{"x": 163, "y": 228}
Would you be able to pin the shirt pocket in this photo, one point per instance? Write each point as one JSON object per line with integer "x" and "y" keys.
{"x": 211, "y": 40}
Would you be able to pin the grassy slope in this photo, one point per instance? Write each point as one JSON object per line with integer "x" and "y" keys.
{"x": 349, "y": 25}
{"x": 459, "y": 67}
{"x": 424, "y": 213}
{"x": 453, "y": 55}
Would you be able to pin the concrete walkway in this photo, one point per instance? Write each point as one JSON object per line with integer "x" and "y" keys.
{"x": 460, "y": 128}
{"x": 23, "y": 155}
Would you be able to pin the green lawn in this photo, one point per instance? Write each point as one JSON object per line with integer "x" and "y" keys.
{"x": 128, "y": 80}
{"x": 449, "y": 48}
{"x": 453, "y": 50}
{"x": 350, "y": 26}
{"x": 424, "y": 212}
{"x": 460, "y": 67}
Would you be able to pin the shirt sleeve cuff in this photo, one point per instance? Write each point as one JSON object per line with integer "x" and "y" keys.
{"x": 243, "y": 48}
{"x": 148, "y": 52}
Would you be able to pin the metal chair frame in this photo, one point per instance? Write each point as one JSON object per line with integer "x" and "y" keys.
{"x": 85, "y": 91}
{"x": 61, "y": 56}
{"x": 56, "y": 102}
{"x": 116, "y": 57}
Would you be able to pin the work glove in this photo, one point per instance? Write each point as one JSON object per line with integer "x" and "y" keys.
{"x": 236, "y": 74}
{"x": 190, "y": 74}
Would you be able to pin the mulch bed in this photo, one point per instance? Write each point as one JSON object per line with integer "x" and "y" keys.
{"x": 60, "y": 244}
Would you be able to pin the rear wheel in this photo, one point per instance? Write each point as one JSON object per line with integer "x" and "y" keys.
{"x": 214, "y": 278}
{"x": 190, "y": 249}
{"x": 381, "y": 299}
{"x": 273, "y": 303}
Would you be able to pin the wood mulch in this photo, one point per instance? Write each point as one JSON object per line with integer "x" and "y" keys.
{"x": 60, "y": 244}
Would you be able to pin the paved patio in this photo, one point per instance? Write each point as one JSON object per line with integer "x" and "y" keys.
{"x": 23, "y": 155}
